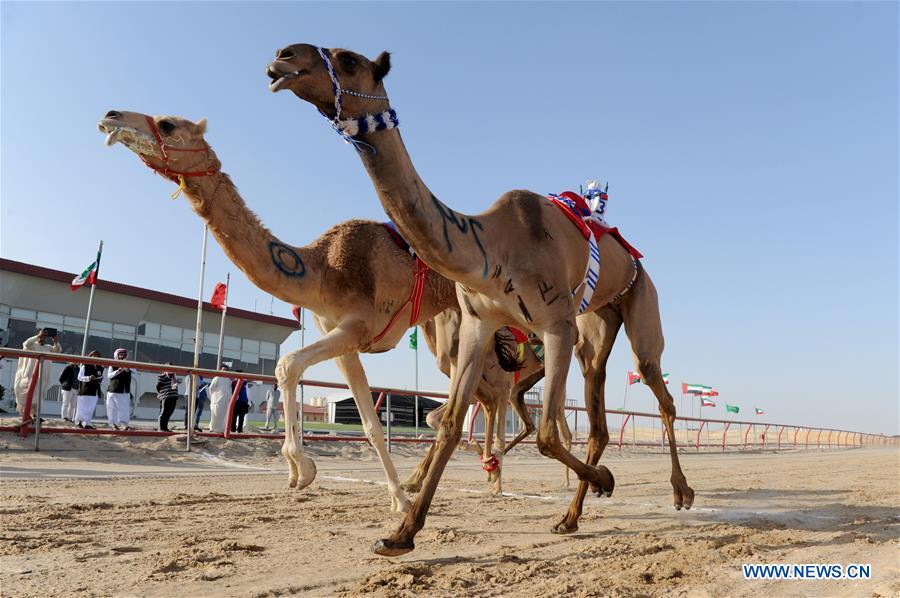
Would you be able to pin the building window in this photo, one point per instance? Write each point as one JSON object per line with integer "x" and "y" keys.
{"x": 123, "y": 331}
{"x": 23, "y": 314}
{"x": 49, "y": 319}
{"x": 267, "y": 349}
{"x": 233, "y": 343}
{"x": 170, "y": 333}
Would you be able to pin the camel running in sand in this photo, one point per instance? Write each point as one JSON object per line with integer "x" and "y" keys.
{"x": 498, "y": 284}
{"x": 338, "y": 277}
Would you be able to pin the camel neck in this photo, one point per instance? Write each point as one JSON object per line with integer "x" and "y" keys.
{"x": 289, "y": 273}
{"x": 448, "y": 241}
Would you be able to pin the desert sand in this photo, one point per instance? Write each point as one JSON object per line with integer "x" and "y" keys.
{"x": 110, "y": 516}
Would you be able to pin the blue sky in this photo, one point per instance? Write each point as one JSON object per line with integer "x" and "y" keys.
{"x": 751, "y": 150}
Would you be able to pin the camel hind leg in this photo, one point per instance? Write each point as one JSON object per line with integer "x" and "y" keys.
{"x": 640, "y": 309}
{"x": 352, "y": 369}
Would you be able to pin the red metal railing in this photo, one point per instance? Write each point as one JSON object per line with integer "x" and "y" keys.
{"x": 26, "y": 427}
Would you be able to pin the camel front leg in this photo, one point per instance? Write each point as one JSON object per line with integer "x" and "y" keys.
{"x": 558, "y": 344}
{"x": 475, "y": 337}
{"x": 342, "y": 339}
{"x": 566, "y": 434}
{"x": 597, "y": 334}
{"x": 414, "y": 482}
{"x": 352, "y": 369}
{"x": 496, "y": 476}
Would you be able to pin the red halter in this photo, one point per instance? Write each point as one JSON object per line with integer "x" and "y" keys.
{"x": 167, "y": 172}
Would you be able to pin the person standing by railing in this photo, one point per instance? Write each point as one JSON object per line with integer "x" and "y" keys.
{"x": 89, "y": 376}
{"x": 272, "y": 399}
{"x": 242, "y": 406}
{"x": 167, "y": 393}
{"x": 68, "y": 384}
{"x": 118, "y": 394}
{"x": 45, "y": 341}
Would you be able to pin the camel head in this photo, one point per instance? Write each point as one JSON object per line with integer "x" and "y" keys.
{"x": 301, "y": 68}
{"x": 171, "y": 145}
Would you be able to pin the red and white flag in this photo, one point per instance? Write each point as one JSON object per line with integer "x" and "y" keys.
{"x": 219, "y": 296}
{"x": 633, "y": 378}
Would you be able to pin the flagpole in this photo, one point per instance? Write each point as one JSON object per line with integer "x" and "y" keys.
{"x": 416, "y": 402}
{"x": 222, "y": 323}
{"x": 192, "y": 401}
{"x": 87, "y": 320}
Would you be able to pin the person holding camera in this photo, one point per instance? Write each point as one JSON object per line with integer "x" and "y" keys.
{"x": 89, "y": 376}
{"x": 45, "y": 341}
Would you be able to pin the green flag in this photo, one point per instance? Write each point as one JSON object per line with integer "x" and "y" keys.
{"x": 414, "y": 339}
{"x": 732, "y": 408}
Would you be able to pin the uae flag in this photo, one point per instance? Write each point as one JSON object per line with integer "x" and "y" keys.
{"x": 759, "y": 411}
{"x": 694, "y": 389}
{"x": 220, "y": 293}
{"x": 634, "y": 378}
{"x": 706, "y": 403}
{"x": 89, "y": 276}
{"x": 732, "y": 408}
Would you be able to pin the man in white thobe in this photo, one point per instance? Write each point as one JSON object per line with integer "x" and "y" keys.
{"x": 44, "y": 342}
{"x": 118, "y": 394}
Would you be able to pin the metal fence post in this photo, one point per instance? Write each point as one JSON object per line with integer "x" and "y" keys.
{"x": 40, "y": 396}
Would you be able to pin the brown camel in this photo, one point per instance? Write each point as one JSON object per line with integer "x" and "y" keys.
{"x": 337, "y": 277}
{"x": 498, "y": 283}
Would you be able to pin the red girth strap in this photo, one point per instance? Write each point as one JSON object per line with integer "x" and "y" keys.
{"x": 415, "y": 298}
{"x": 165, "y": 149}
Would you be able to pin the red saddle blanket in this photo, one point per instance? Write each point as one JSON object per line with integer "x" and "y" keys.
{"x": 580, "y": 210}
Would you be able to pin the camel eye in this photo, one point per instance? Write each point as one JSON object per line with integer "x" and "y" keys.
{"x": 349, "y": 62}
{"x": 166, "y": 127}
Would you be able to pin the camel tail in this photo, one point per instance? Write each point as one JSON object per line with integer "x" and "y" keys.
{"x": 506, "y": 354}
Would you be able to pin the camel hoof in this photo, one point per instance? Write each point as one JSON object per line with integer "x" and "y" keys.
{"x": 386, "y": 547}
{"x": 292, "y": 483}
{"x": 684, "y": 497}
{"x": 605, "y": 483}
{"x": 563, "y": 528}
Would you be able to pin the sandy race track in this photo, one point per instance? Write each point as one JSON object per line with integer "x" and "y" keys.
{"x": 139, "y": 517}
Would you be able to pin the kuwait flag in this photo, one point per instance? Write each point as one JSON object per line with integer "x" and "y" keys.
{"x": 89, "y": 276}
{"x": 634, "y": 378}
{"x": 706, "y": 403}
{"x": 759, "y": 411}
{"x": 694, "y": 389}
{"x": 732, "y": 408}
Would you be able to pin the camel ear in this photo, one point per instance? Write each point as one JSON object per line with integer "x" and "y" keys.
{"x": 201, "y": 124}
{"x": 382, "y": 66}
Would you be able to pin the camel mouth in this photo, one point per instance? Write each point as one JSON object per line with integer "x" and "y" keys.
{"x": 280, "y": 80}
{"x": 137, "y": 141}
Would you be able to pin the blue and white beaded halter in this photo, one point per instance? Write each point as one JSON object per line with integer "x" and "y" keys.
{"x": 348, "y": 128}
